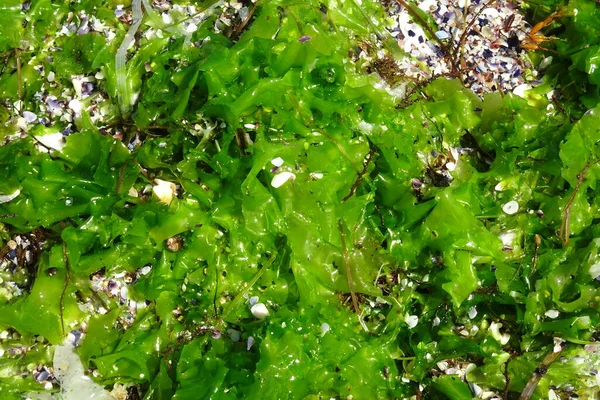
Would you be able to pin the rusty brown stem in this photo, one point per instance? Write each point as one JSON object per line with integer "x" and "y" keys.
{"x": 19, "y": 80}
{"x": 423, "y": 24}
{"x": 347, "y": 265}
{"x": 64, "y": 289}
{"x": 536, "y": 254}
{"x": 458, "y": 50}
{"x": 242, "y": 25}
{"x": 122, "y": 174}
{"x": 360, "y": 175}
{"x": 564, "y": 231}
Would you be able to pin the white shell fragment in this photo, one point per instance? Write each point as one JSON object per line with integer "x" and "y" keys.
{"x": 69, "y": 371}
{"x": 494, "y": 330}
{"x": 521, "y": 89}
{"x": 164, "y": 190}
{"x": 472, "y": 312}
{"x": 259, "y": 310}
{"x": 545, "y": 63}
{"x": 511, "y": 207}
{"x": 76, "y": 106}
{"x": 411, "y": 321}
{"x": 281, "y": 178}
{"x": 442, "y": 35}
{"x": 5, "y": 198}
{"x": 595, "y": 270}
{"x": 29, "y": 116}
{"x": 55, "y": 141}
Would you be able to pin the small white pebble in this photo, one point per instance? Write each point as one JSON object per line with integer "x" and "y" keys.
{"x": 472, "y": 312}
{"x": 167, "y": 18}
{"x": 253, "y": 300}
{"x": 75, "y": 105}
{"x": 545, "y": 63}
{"x": 558, "y": 345}
{"x": 164, "y": 190}
{"x": 521, "y": 89}
{"x": 259, "y": 310}
{"x": 191, "y": 28}
{"x": 29, "y": 116}
{"x": 324, "y": 328}
{"x": 278, "y": 162}
{"x": 552, "y": 314}
{"x": 51, "y": 76}
{"x": 511, "y": 207}
{"x": 281, "y": 178}
{"x": 442, "y": 35}
{"x": 442, "y": 365}
{"x": 250, "y": 343}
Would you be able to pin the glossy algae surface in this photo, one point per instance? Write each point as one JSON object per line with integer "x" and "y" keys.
{"x": 463, "y": 229}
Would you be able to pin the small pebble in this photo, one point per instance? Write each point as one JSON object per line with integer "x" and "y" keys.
{"x": 281, "y": 178}
{"x": 511, "y": 207}
{"x": 259, "y": 310}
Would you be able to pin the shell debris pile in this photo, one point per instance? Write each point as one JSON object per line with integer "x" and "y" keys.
{"x": 483, "y": 37}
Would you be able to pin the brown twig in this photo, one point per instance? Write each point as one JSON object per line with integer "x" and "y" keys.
{"x": 538, "y": 242}
{"x": 347, "y": 265}
{"x": 238, "y": 30}
{"x": 64, "y": 289}
{"x": 561, "y": 108}
{"x": 424, "y": 25}
{"x": 539, "y": 372}
{"x": 564, "y": 232}
{"x": 19, "y": 80}
{"x": 507, "y": 377}
{"x": 122, "y": 174}
{"x": 368, "y": 159}
{"x": 463, "y": 37}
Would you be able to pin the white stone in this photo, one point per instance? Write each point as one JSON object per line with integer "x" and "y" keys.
{"x": 511, "y": 207}
{"x": 164, "y": 190}
{"x": 472, "y": 312}
{"x": 259, "y": 310}
{"x": 281, "y": 178}
{"x": 521, "y": 89}
{"x": 278, "y": 162}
